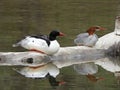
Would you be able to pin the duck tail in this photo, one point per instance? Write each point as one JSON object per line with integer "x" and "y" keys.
{"x": 15, "y": 69}
{"x": 16, "y": 45}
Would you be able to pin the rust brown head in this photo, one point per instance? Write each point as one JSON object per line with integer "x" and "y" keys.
{"x": 92, "y": 30}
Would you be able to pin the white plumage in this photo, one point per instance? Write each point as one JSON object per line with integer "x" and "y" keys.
{"x": 86, "y": 40}
{"x": 32, "y": 43}
{"x": 41, "y": 43}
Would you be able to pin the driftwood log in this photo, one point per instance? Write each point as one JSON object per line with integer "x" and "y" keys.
{"x": 65, "y": 57}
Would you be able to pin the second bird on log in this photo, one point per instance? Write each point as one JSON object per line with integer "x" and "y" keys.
{"x": 89, "y": 38}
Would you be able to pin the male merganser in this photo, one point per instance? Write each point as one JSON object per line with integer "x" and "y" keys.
{"x": 41, "y": 43}
{"x": 89, "y": 38}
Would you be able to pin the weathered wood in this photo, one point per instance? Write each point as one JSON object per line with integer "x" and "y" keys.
{"x": 65, "y": 57}
{"x": 23, "y": 58}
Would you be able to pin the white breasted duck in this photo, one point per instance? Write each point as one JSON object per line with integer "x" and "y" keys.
{"x": 89, "y": 38}
{"x": 41, "y": 43}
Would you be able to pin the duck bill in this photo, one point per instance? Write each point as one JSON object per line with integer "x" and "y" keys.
{"x": 61, "y": 34}
{"x": 102, "y": 28}
{"x": 61, "y": 83}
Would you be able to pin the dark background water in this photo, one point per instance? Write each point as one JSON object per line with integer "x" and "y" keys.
{"x": 25, "y": 17}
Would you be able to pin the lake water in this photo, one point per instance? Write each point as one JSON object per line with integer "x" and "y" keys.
{"x": 25, "y": 17}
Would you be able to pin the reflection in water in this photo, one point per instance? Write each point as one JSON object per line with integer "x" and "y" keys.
{"x": 49, "y": 70}
{"x": 88, "y": 69}
{"x": 53, "y": 81}
{"x": 39, "y": 72}
{"x": 110, "y": 63}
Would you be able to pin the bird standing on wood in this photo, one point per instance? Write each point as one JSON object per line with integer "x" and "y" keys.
{"x": 89, "y": 38}
{"x": 41, "y": 43}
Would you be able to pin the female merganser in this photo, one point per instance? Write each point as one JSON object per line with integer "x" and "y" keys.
{"x": 41, "y": 43}
{"x": 89, "y": 38}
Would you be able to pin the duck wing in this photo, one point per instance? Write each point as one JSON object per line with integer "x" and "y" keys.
{"x": 91, "y": 40}
{"x": 44, "y": 37}
{"x": 81, "y": 38}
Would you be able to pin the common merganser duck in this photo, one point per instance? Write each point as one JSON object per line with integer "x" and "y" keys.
{"x": 89, "y": 38}
{"x": 41, "y": 43}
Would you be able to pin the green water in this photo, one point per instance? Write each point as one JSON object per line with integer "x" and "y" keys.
{"x": 25, "y": 17}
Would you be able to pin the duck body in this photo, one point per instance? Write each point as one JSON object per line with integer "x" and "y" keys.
{"x": 40, "y": 43}
{"x": 32, "y": 43}
{"x": 86, "y": 39}
{"x": 89, "y": 38}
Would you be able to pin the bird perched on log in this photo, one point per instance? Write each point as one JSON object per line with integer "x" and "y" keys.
{"x": 41, "y": 43}
{"x": 89, "y": 38}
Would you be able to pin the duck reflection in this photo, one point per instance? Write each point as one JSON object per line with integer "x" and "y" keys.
{"x": 110, "y": 63}
{"x": 53, "y": 81}
{"x": 49, "y": 71}
{"x": 88, "y": 69}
